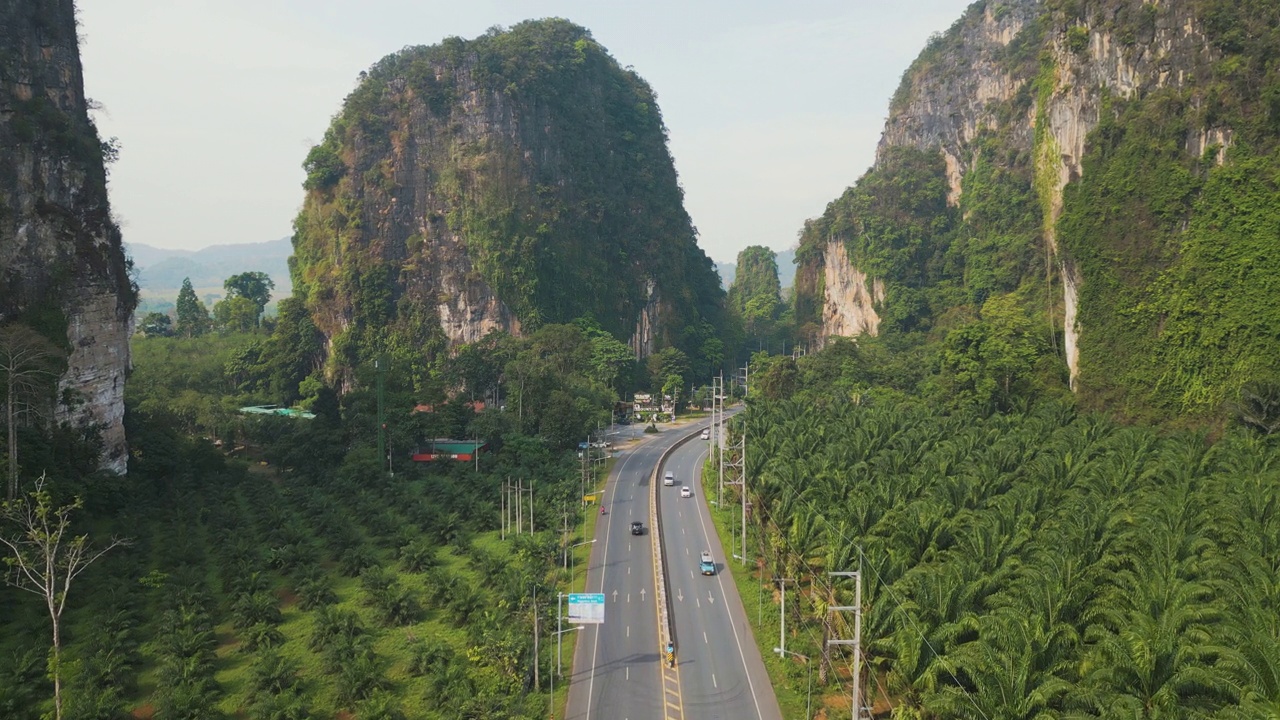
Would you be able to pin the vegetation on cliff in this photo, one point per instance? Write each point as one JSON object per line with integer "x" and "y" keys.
{"x": 1167, "y": 230}
{"x": 525, "y": 165}
{"x": 755, "y": 299}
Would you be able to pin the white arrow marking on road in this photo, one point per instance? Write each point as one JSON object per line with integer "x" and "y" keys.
{"x": 710, "y": 599}
{"x": 679, "y": 594}
{"x": 615, "y": 596}
{"x": 641, "y": 594}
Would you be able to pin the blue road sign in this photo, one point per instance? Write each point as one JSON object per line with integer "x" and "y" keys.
{"x": 586, "y": 608}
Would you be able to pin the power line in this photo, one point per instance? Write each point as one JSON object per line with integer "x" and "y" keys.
{"x": 888, "y": 588}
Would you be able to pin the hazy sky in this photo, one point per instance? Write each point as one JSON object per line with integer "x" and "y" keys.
{"x": 773, "y": 106}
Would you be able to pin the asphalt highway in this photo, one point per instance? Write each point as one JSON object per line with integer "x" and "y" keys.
{"x": 617, "y": 670}
{"x": 721, "y": 674}
{"x": 616, "y": 674}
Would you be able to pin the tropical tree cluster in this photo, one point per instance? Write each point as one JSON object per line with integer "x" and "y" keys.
{"x": 324, "y": 586}
{"x": 1036, "y": 564}
{"x": 755, "y": 300}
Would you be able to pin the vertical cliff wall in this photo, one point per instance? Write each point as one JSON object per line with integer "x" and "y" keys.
{"x": 500, "y": 183}
{"x": 1082, "y": 146}
{"x": 62, "y": 267}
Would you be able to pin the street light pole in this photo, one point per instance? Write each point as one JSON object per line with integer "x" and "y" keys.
{"x": 808, "y": 703}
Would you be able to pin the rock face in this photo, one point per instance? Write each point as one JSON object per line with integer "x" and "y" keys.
{"x": 1099, "y": 121}
{"x": 850, "y": 297}
{"x": 501, "y": 183}
{"x": 62, "y": 267}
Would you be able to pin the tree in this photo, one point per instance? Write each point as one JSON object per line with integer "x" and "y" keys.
{"x": 156, "y": 324}
{"x": 44, "y": 561}
{"x": 29, "y": 364}
{"x": 665, "y": 363}
{"x": 254, "y": 286}
{"x": 193, "y": 316}
{"x": 236, "y": 314}
{"x": 1259, "y": 406}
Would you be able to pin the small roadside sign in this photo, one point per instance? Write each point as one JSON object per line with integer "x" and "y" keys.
{"x": 586, "y": 608}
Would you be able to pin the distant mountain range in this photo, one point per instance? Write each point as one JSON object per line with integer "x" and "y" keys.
{"x": 786, "y": 270}
{"x": 162, "y": 270}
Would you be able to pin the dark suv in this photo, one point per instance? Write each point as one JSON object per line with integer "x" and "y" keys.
{"x": 637, "y": 528}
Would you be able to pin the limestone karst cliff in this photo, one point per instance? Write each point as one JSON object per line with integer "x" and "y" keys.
{"x": 62, "y": 268}
{"x": 1107, "y": 163}
{"x": 500, "y": 183}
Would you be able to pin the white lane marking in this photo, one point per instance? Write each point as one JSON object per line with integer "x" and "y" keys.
{"x": 628, "y": 672}
{"x": 682, "y": 532}
{"x": 704, "y": 638}
{"x": 714, "y": 684}
{"x": 628, "y": 597}
{"x": 595, "y": 645}
{"x": 629, "y": 631}
{"x": 686, "y": 551}
{"x": 702, "y": 514}
{"x": 628, "y": 569}
{"x": 698, "y": 601}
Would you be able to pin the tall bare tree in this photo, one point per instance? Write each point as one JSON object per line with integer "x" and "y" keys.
{"x": 43, "y": 560}
{"x": 29, "y": 364}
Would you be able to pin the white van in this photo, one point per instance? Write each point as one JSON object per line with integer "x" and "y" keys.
{"x": 669, "y": 479}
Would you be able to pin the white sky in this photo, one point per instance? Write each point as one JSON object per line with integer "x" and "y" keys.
{"x": 773, "y": 106}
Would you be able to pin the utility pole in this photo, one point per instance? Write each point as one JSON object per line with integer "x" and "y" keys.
{"x": 720, "y": 432}
{"x": 380, "y": 367}
{"x": 502, "y": 505}
{"x": 717, "y": 407}
{"x": 739, "y": 466}
{"x": 744, "y": 492}
{"x": 782, "y": 619}
{"x": 536, "y": 683}
{"x": 519, "y": 506}
{"x": 856, "y": 642}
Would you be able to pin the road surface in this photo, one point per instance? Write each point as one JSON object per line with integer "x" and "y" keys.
{"x": 617, "y": 671}
{"x": 721, "y": 674}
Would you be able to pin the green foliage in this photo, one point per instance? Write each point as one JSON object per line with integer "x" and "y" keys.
{"x": 897, "y": 227}
{"x": 156, "y": 324}
{"x": 253, "y": 286}
{"x": 235, "y": 314}
{"x": 1035, "y": 564}
{"x": 1078, "y": 39}
{"x": 192, "y": 316}
{"x": 589, "y": 229}
{"x": 756, "y": 295}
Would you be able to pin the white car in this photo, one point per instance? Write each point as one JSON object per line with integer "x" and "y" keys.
{"x": 706, "y": 433}
{"x": 669, "y": 479}
{"x": 686, "y": 491}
